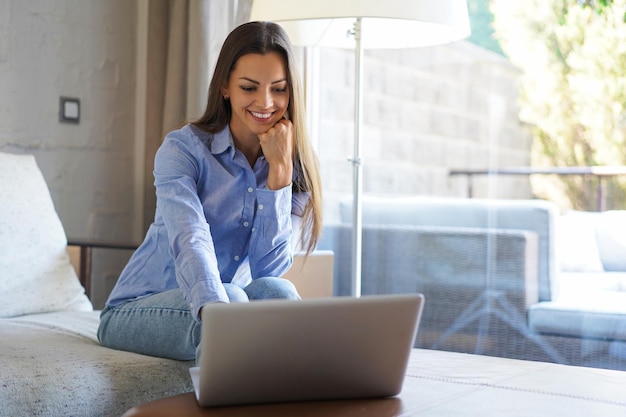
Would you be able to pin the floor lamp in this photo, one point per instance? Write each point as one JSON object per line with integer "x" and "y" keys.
{"x": 360, "y": 24}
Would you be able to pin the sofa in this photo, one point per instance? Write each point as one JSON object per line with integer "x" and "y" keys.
{"x": 494, "y": 274}
{"x": 50, "y": 360}
{"x": 591, "y": 301}
{"x": 52, "y": 364}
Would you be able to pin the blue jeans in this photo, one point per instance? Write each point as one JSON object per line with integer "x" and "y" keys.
{"x": 162, "y": 324}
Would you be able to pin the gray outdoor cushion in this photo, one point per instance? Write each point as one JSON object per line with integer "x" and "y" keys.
{"x": 595, "y": 315}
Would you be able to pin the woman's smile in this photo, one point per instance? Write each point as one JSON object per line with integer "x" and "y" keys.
{"x": 261, "y": 116}
{"x": 259, "y": 95}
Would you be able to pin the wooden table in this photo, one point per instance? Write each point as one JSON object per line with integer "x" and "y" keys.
{"x": 450, "y": 384}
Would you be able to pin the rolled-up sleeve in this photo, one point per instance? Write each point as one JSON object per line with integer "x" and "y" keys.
{"x": 270, "y": 251}
{"x": 191, "y": 244}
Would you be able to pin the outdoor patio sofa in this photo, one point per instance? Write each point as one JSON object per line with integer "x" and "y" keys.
{"x": 501, "y": 277}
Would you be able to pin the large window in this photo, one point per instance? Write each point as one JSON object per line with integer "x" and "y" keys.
{"x": 458, "y": 205}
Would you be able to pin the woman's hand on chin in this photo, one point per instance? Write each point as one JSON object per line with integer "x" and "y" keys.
{"x": 277, "y": 145}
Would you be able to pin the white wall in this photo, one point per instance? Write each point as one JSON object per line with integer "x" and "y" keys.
{"x": 83, "y": 49}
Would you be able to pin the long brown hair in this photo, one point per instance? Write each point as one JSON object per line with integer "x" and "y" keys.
{"x": 262, "y": 38}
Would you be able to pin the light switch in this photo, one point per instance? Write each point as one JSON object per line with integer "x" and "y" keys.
{"x": 69, "y": 111}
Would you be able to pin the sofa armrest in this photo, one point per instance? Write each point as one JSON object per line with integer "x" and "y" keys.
{"x": 313, "y": 274}
{"x": 81, "y": 254}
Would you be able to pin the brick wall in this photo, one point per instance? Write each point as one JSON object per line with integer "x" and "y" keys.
{"x": 85, "y": 50}
{"x": 425, "y": 111}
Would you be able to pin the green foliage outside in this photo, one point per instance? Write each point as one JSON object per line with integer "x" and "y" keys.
{"x": 573, "y": 56}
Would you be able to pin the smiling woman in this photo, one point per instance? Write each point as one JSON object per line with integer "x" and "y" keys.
{"x": 232, "y": 190}
{"x": 267, "y": 42}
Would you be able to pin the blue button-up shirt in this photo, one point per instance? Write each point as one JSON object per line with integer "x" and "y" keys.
{"x": 213, "y": 215}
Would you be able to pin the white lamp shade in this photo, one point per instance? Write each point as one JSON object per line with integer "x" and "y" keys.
{"x": 385, "y": 23}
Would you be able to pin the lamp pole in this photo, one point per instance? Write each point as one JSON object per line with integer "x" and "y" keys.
{"x": 357, "y": 212}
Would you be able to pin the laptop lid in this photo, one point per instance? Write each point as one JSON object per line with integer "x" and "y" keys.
{"x": 316, "y": 349}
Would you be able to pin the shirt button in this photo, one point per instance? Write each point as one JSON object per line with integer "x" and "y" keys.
{"x": 250, "y": 189}
{"x": 253, "y": 229}
{"x": 236, "y": 257}
{"x": 261, "y": 207}
{"x": 246, "y": 224}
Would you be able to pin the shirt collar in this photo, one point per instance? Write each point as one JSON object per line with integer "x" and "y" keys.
{"x": 222, "y": 141}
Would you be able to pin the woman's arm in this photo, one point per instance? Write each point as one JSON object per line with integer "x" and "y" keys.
{"x": 176, "y": 172}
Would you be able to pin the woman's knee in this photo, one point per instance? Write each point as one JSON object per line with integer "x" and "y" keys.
{"x": 159, "y": 325}
{"x": 235, "y": 293}
{"x": 272, "y": 287}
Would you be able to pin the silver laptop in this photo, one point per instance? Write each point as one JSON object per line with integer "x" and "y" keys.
{"x": 315, "y": 349}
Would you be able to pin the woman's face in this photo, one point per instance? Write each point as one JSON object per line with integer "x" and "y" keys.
{"x": 258, "y": 93}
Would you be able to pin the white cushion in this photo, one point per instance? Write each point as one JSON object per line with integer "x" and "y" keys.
{"x": 611, "y": 235}
{"x": 576, "y": 245}
{"x": 583, "y": 282}
{"x": 35, "y": 272}
{"x": 597, "y": 314}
